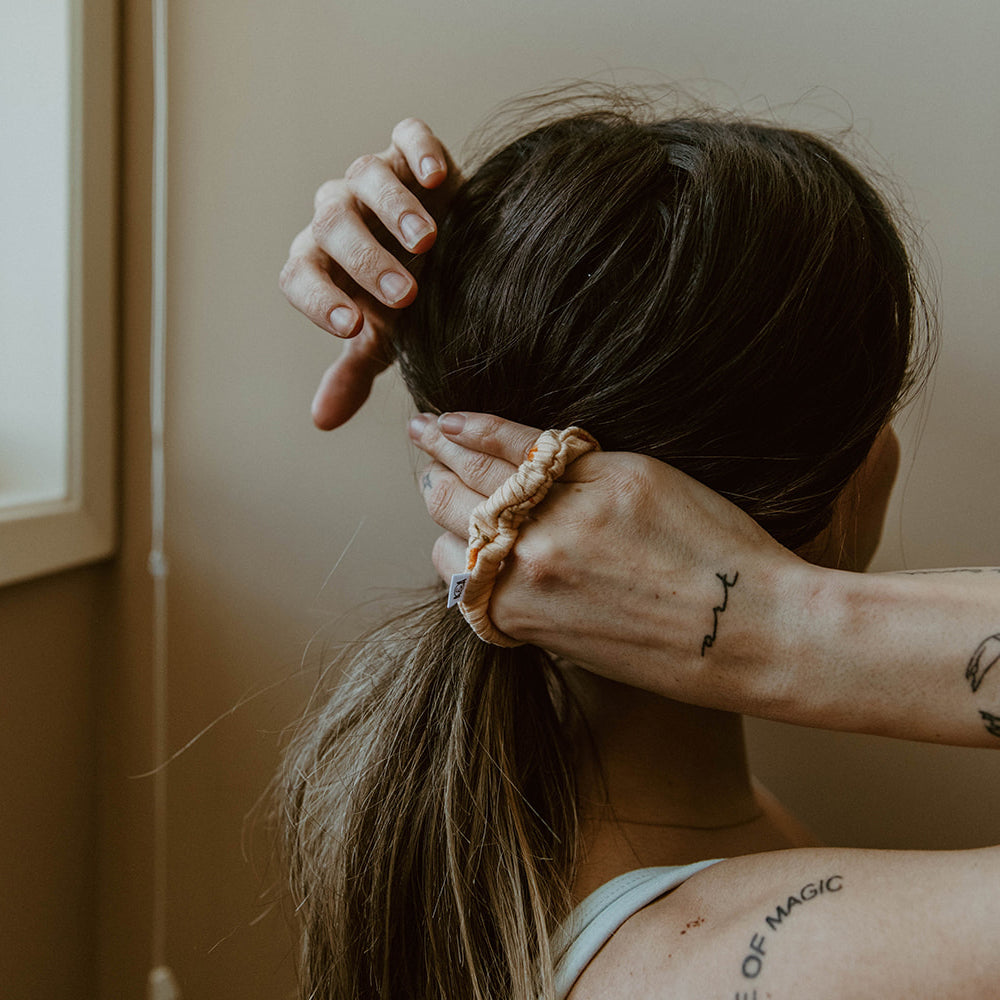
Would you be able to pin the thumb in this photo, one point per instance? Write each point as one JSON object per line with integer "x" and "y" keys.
{"x": 347, "y": 383}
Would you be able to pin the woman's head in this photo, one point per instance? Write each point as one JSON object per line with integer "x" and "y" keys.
{"x": 730, "y": 297}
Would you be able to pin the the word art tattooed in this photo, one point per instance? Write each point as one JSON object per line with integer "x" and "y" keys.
{"x": 987, "y": 654}
{"x": 753, "y": 963}
{"x": 709, "y": 640}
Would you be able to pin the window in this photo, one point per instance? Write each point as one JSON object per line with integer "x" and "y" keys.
{"x": 57, "y": 268}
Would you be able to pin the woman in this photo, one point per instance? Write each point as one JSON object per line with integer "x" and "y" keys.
{"x": 733, "y": 298}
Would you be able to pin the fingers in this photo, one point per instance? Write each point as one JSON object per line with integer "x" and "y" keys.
{"x": 341, "y": 275}
{"x": 339, "y": 231}
{"x": 338, "y": 253}
{"x": 375, "y": 185}
{"x": 490, "y": 435}
{"x": 479, "y": 471}
{"x": 306, "y": 281}
{"x": 348, "y": 382}
{"x": 426, "y": 158}
{"x": 503, "y": 439}
{"x": 448, "y": 555}
{"x": 449, "y": 501}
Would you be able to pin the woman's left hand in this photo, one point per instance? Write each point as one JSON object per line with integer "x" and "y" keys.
{"x": 621, "y": 568}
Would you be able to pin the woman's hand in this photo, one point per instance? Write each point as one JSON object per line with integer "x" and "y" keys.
{"x": 342, "y": 269}
{"x": 622, "y": 570}
{"x": 639, "y": 573}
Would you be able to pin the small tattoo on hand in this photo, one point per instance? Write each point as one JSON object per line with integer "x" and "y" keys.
{"x": 425, "y": 483}
{"x": 709, "y": 640}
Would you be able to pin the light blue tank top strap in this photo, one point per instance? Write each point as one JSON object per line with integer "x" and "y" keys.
{"x": 591, "y": 924}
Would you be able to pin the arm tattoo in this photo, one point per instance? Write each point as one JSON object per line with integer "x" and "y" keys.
{"x": 986, "y": 656}
{"x": 987, "y": 653}
{"x": 991, "y": 722}
{"x": 709, "y": 640}
{"x": 962, "y": 569}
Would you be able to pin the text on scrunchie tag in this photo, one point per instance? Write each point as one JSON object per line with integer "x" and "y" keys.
{"x": 457, "y": 587}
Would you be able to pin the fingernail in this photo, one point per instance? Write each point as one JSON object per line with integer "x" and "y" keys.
{"x": 430, "y": 165}
{"x": 451, "y": 423}
{"x": 393, "y": 286}
{"x": 417, "y": 425}
{"x": 342, "y": 320}
{"x": 413, "y": 228}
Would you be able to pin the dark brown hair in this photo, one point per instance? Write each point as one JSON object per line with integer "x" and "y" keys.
{"x": 728, "y": 296}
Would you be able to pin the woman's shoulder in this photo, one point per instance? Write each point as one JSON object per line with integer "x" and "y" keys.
{"x": 820, "y": 922}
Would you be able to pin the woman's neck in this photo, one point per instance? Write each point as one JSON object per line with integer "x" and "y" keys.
{"x": 663, "y": 783}
{"x": 650, "y": 760}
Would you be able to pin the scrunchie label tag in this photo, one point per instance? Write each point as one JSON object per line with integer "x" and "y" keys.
{"x": 457, "y": 587}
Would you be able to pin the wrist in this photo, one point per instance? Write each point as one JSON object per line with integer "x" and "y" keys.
{"x": 826, "y": 627}
{"x": 805, "y": 612}
{"x": 757, "y": 665}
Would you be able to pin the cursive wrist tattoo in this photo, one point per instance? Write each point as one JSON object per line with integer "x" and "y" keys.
{"x": 727, "y": 584}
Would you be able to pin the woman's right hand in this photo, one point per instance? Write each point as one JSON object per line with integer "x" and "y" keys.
{"x": 342, "y": 270}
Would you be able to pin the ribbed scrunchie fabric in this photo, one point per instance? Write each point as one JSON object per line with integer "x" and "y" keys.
{"x": 494, "y": 524}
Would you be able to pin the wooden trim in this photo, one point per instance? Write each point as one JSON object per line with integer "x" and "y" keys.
{"x": 38, "y": 538}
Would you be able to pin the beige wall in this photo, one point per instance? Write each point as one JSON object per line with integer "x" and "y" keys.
{"x": 270, "y": 99}
{"x": 267, "y": 101}
{"x": 50, "y": 646}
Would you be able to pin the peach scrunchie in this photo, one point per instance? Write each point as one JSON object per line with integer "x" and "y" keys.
{"x": 494, "y": 524}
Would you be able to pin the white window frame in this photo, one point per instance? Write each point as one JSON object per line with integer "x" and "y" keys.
{"x": 47, "y": 536}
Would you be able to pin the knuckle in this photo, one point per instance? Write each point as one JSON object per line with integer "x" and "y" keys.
{"x": 439, "y": 552}
{"x": 490, "y": 432}
{"x": 315, "y": 303}
{"x": 289, "y": 273}
{"x": 407, "y": 128}
{"x": 360, "y": 165}
{"x": 328, "y": 218}
{"x": 438, "y": 499}
{"x": 363, "y": 259}
{"x": 630, "y": 485}
{"x": 391, "y": 200}
{"x": 327, "y": 191}
{"x": 476, "y": 466}
{"x": 539, "y": 558}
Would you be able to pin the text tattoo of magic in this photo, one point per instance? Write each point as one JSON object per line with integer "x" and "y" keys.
{"x": 756, "y": 952}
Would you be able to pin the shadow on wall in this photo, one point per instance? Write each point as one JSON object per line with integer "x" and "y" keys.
{"x": 867, "y": 791}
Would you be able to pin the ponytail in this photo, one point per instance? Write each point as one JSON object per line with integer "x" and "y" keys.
{"x": 430, "y": 818}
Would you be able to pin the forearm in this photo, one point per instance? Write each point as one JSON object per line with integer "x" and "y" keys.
{"x": 907, "y": 655}
{"x": 644, "y": 576}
